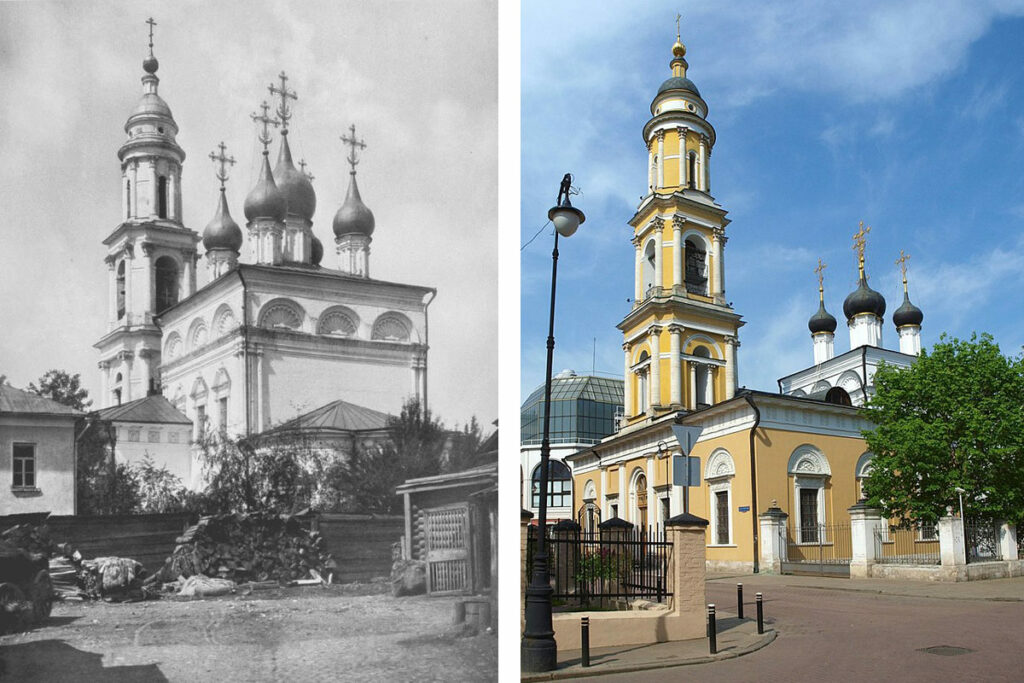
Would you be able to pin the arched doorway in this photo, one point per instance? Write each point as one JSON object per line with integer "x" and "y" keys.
{"x": 640, "y": 496}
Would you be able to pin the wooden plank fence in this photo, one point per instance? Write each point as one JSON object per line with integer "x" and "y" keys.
{"x": 361, "y": 544}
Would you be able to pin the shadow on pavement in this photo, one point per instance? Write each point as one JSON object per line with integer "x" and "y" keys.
{"x": 55, "y": 660}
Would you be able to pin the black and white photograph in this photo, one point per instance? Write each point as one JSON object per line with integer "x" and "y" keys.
{"x": 249, "y": 365}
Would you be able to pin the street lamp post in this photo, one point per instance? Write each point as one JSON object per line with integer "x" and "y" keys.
{"x": 539, "y": 651}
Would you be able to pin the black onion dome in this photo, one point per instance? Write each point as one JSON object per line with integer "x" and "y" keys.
{"x": 907, "y": 313}
{"x": 822, "y": 321}
{"x": 864, "y": 300}
{"x": 318, "y": 251}
{"x": 294, "y": 184}
{"x": 678, "y": 83}
{"x": 353, "y": 217}
{"x": 222, "y": 232}
{"x": 265, "y": 200}
{"x": 150, "y": 65}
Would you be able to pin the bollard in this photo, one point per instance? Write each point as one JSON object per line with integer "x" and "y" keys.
{"x": 712, "y": 630}
{"x": 760, "y": 613}
{"x": 739, "y": 600}
{"x": 585, "y": 639}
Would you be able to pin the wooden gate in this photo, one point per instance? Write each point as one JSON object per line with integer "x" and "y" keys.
{"x": 448, "y": 549}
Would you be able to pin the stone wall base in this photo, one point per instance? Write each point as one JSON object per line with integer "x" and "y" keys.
{"x": 729, "y": 566}
{"x": 970, "y": 572}
{"x": 627, "y": 628}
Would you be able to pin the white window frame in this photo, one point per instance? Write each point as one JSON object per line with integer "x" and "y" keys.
{"x": 809, "y": 482}
{"x": 35, "y": 467}
{"x": 714, "y": 488}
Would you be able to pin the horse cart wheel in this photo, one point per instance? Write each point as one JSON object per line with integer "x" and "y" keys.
{"x": 42, "y": 595}
{"x": 12, "y": 602}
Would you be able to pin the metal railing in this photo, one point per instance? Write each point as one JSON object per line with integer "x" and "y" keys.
{"x": 606, "y": 571}
{"x": 819, "y": 544}
{"x": 907, "y": 543}
{"x": 981, "y": 540}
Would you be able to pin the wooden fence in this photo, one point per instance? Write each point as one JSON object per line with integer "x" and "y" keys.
{"x": 361, "y": 544}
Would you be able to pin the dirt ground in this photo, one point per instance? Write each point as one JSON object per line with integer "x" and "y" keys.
{"x": 309, "y": 633}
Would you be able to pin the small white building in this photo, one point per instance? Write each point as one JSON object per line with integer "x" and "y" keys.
{"x": 152, "y": 428}
{"x": 37, "y": 453}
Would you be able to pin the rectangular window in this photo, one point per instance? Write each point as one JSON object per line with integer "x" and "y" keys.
{"x": 222, "y": 417}
{"x": 615, "y": 510}
{"x": 24, "y": 465}
{"x": 928, "y": 532}
{"x": 133, "y": 433}
{"x": 722, "y": 517}
{"x": 200, "y": 421}
{"x": 154, "y": 436}
{"x": 808, "y": 515}
{"x": 666, "y": 510}
{"x": 172, "y": 437}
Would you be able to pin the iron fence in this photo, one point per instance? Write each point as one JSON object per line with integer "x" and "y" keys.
{"x": 907, "y": 543}
{"x": 981, "y": 540}
{"x": 819, "y": 544}
{"x": 606, "y": 570}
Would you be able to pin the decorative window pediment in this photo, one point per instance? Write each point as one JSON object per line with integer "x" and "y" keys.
{"x": 281, "y": 314}
{"x": 339, "y": 322}
{"x": 392, "y": 327}
{"x": 809, "y": 461}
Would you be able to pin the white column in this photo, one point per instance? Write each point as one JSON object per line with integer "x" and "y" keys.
{"x": 112, "y": 291}
{"x": 731, "y": 374}
{"x": 716, "y": 258}
{"x": 627, "y": 386}
{"x": 659, "y": 257}
{"x": 129, "y": 263}
{"x": 661, "y": 158}
{"x": 126, "y": 202}
{"x": 675, "y": 366}
{"x": 722, "y": 239}
{"x": 709, "y": 388}
{"x": 707, "y": 168}
{"x": 700, "y": 168}
{"x": 677, "y": 251}
{"x": 104, "y": 367}
{"x": 652, "y": 498}
{"x": 623, "y": 494}
{"x": 639, "y": 293}
{"x": 148, "y": 281}
{"x": 260, "y": 424}
{"x": 133, "y": 195}
{"x": 415, "y": 377}
{"x": 145, "y": 371}
{"x": 154, "y": 194}
{"x": 177, "y": 194}
{"x": 172, "y": 196}
{"x": 650, "y": 169}
{"x": 693, "y": 385}
{"x": 682, "y": 156}
{"x": 126, "y": 376}
{"x": 604, "y": 493}
{"x": 655, "y": 367}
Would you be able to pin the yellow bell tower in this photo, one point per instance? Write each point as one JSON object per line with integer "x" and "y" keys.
{"x": 680, "y": 338}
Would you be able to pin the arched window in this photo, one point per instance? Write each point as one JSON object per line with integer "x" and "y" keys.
{"x": 161, "y": 196}
{"x": 120, "y": 290}
{"x": 648, "y": 268}
{"x": 809, "y": 468}
{"x": 339, "y": 322}
{"x": 391, "y": 327}
{"x": 839, "y": 396}
{"x": 696, "y": 260}
{"x": 705, "y": 390}
{"x": 281, "y": 314}
{"x": 117, "y": 388}
{"x": 641, "y": 385}
{"x": 559, "y": 485}
{"x": 128, "y": 199}
{"x": 691, "y": 176}
{"x": 166, "y": 294}
{"x": 639, "y": 500}
{"x": 719, "y": 474}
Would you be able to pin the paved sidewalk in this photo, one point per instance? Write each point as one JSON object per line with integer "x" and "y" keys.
{"x": 736, "y": 637}
{"x": 999, "y": 590}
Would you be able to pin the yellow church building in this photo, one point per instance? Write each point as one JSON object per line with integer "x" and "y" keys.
{"x": 796, "y": 456}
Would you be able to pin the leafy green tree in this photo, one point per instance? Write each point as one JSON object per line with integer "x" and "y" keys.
{"x": 366, "y": 480}
{"x": 63, "y": 388}
{"x": 955, "y": 418}
{"x": 159, "y": 489}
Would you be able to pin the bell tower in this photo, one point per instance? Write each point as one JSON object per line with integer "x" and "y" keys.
{"x": 680, "y": 338}
{"x": 151, "y": 255}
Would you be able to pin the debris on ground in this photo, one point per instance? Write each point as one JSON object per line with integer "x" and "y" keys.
{"x": 199, "y": 586}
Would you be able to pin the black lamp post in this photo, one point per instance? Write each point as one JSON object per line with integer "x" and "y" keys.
{"x": 539, "y": 650}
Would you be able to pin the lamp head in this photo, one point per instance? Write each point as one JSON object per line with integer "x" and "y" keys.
{"x": 566, "y": 218}
{"x": 960, "y": 490}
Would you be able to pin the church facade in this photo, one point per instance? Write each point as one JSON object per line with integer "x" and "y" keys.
{"x": 275, "y": 332}
{"x": 799, "y": 451}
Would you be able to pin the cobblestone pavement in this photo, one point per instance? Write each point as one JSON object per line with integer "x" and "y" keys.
{"x": 308, "y": 634}
{"x": 844, "y": 630}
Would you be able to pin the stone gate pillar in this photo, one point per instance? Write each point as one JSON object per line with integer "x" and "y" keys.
{"x": 864, "y": 524}
{"x": 773, "y": 539}
{"x": 688, "y": 570}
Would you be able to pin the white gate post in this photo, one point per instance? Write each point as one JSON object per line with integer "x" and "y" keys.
{"x": 773, "y": 539}
{"x": 952, "y": 548}
{"x": 864, "y": 524}
{"x": 1008, "y": 541}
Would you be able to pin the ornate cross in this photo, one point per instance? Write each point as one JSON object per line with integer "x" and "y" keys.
{"x": 264, "y": 135}
{"x": 859, "y": 241}
{"x": 678, "y": 17}
{"x": 222, "y": 172}
{"x": 352, "y": 142}
{"x": 302, "y": 167}
{"x": 902, "y": 263}
{"x": 283, "y": 111}
{"x": 820, "y": 270}
{"x": 151, "y": 25}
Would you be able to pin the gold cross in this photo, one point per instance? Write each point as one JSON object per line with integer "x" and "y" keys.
{"x": 352, "y": 142}
{"x": 283, "y": 111}
{"x": 151, "y": 25}
{"x": 902, "y": 263}
{"x": 264, "y": 135}
{"x": 678, "y": 17}
{"x": 820, "y": 270}
{"x": 302, "y": 166}
{"x": 859, "y": 241}
{"x": 222, "y": 172}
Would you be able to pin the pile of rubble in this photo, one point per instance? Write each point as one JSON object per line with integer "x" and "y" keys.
{"x": 253, "y": 547}
{"x": 33, "y": 539}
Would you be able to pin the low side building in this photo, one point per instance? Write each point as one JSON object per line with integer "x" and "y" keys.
{"x": 37, "y": 453}
{"x": 153, "y": 428}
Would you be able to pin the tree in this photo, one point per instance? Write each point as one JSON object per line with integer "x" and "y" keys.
{"x": 63, "y": 388}
{"x": 955, "y": 418}
{"x": 464, "y": 452}
{"x": 366, "y": 480}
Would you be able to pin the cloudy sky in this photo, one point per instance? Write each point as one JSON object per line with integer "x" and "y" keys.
{"x": 418, "y": 80}
{"x": 908, "y": 116}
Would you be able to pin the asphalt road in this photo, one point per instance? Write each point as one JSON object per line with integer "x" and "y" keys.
{"x": 835, "y": 634}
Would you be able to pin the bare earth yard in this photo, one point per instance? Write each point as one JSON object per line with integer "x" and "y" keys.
{"x": 310, "y": 633}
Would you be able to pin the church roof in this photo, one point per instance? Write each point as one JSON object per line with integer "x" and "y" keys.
{"x": 18, "y": 401}
{"x": 338, "y": 416}
{"x": 155, "y": 409}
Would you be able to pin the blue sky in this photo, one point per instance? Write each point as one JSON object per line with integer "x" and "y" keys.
{"x": 907, "y": 116}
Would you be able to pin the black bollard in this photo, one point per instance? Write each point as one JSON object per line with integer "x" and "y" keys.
{"x": 760, "y": 613}
{"x": 712, "y": 630}
{"x": 585, "y": 639}
{"x": 739, "y": 600}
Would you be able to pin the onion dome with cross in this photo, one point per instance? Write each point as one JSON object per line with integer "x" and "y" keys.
{"x": 293, "y": 183}
{"x": 222, "y": 232}
{"x": 863, "y": 300}
{"x": 822, "y": 321}
{"x": 265, "y": 200}
{"x": 907, "y": 313}
{"x": 354, "y": 217}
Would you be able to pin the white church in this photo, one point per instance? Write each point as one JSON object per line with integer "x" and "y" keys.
{"x": 268, "y": 339}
